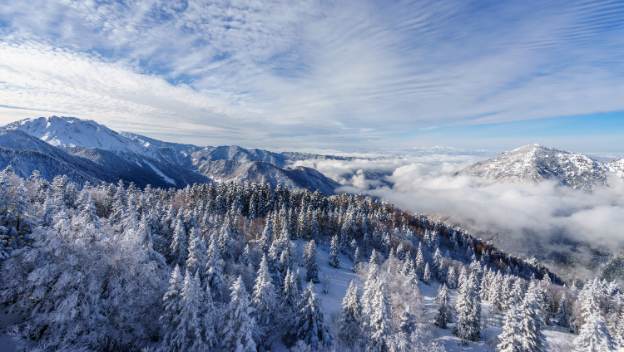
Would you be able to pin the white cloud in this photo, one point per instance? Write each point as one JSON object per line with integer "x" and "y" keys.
{"x": 528, "y": 219}
{"x": 271, "y": 74}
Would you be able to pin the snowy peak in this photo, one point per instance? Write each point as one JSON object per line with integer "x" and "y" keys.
{"x": 535, "y": 163}
{"x": 63, "y": 131}
{"x": 617, "y": 167}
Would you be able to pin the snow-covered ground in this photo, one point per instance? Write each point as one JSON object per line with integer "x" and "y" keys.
{"x": 336, "y": 281}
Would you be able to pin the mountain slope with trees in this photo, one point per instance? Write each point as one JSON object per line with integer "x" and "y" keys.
{"x": 219, "y": 267}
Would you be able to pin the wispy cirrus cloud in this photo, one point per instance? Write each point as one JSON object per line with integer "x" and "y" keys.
{"x": 273, "y": 74}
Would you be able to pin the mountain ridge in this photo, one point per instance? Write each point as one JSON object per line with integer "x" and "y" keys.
{"x": 144, "y": 160}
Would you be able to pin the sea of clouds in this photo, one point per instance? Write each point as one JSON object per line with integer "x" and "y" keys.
{"x": 544, "y": 220}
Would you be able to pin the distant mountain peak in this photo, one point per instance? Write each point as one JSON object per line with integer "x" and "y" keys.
{"x": 617, "y": 167}
{"x": 535, "y": 163}
{"x": 68, "y": 131}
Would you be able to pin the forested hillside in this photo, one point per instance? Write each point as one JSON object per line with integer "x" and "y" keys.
{"x": 236, "y": 267}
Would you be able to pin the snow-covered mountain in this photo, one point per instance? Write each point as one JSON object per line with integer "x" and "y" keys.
{"x": 145, "y": 160}
{"x": 535, "y": 163}
{"x": 617, "y": 167}
{"x": 25, "y": 154}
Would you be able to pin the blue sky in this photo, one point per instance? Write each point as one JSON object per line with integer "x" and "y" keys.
{"x": 324, "y": 75}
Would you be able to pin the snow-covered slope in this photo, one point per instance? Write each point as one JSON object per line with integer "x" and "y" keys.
{"x": 145, "y": 160}
{"x": 535, "y": 163}
{"x": 239, "y": 155}
{"x": 25, "y": 154}
{"x": 64, "y": 131}
{"x": 72, "y": 132}
{"x": 264, "y": 172}
{"x": 617, "y": 167}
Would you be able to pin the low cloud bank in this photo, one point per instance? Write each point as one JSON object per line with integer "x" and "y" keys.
{"x": 543, "y": 220}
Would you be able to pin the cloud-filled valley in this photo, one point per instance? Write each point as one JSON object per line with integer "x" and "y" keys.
{"x": 542, "y": 219}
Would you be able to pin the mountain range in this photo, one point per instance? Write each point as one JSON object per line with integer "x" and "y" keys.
{"x": 85, "y": 150}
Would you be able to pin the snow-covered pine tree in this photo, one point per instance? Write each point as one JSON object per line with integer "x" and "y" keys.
{"x": 593, "y": 335}
{"x": 240, "y": 324}
{"x": 438, "y": 264}
{"x": 197, "y": 256}
{"x": 356, "y": 259}
{"x": 189, "y": 334}
{"x": 214, "y": 271}
{"x": 619, "y": 327}
{"x": 426, "y": 274}
{"x": 267, "y": 234}
{"x": 226, "y": 238}
{"x": 563, "y": 311}
{"x": 368, "y": 291}
{"x": 333, "y": 252}
{"x": 264, "y": 301}
{"x": 310, "y": 326}
{"x": 350, "y": 323}
{"x": 532, "y": 324}
{"x": 468, "y": 307}
{"x": 516, "y": 294}
{"x": 309, "y": 257}
{"x": 403, "y": 340}
{"x": 172, "y": 302}
{"x": 509, "y": 339}
{"x": 179, "y": 243}
{"x": 379, "y": 319}
{"x": 443, "y": 316}
{"x": 209, "y": 317}
{"x": 451, "y": 277}
{"x": 375, "y": 258}
{"x": 420, "y": 261}
{"x": 290, "y": 299}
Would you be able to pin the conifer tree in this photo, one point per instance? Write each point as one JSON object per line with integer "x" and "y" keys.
{"x": 531, "y": 334}
{"x": 213, "y": 272}
{"x": 309, "y": 257}
{"x": 420, "y": 261}
{"x": 310, "y": 327}
{"x": 426, "y": 274}
{"x": 267, "y": 234}
{"x": 349, "y": 326}
{"x": 197, "y": 256}
{"x": 451, "y": 277}
{"x": 209, "y": 317}
{"x": 239, "y": 324}
{"x": 172, "y": 303}
{"x": 264, "y": 299}
{"x": 468, "y": 307}
{"x": 407, "y": 329}
{"x": 333, "y": 252}
{"x": 189, "y": 334}
{"x": 179, "y": 243}
{"x": 290, "y": 298}
{"x": 443, "y": 317}
{"x": 379, "y": 327}
{"x": 509, "y": 339}
{"x": 369, "y": 288}
{"x": 593, "y": 335}
{"x": 563, "y": 311}
{"x": 356, "y": 259}
{"x": 438, "y": 264}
